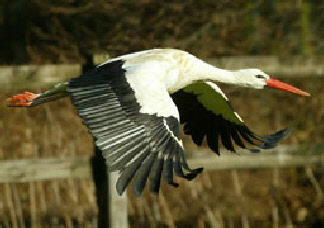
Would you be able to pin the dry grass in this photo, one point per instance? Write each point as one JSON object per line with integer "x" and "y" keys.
{"x": 233, "y": 197}
{"x": 255, "y": 197}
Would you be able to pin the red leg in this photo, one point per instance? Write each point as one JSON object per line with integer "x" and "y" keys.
{"x": 22, "y": 100}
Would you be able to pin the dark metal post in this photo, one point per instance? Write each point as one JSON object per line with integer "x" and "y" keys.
{"x": 112, "y": 208}
{"x": 100, "y": 177}
{"x": 99, "y": 170}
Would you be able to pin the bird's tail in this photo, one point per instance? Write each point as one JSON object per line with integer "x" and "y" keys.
{"x": 29, "y": 99}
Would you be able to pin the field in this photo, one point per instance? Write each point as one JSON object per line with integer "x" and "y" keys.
{"x": 258, "y": 197}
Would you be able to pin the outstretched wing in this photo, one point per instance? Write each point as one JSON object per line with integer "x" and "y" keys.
{"x": 138, "y": 145}
{"x": 205, "y": 111}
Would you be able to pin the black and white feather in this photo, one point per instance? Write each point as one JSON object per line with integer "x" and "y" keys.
{"x": 127, "y": 106}
{"x": 138, "y": 145}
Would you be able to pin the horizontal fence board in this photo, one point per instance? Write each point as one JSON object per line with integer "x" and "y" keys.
{"x": 256, "y": 161}
{"x": 290, "y": 66}
{"x": 79, "y": 167}
{"x": 27, "y": 170}
{"x": 29, "y": 76}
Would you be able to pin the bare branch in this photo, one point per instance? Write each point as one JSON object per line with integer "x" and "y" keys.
{"x": 71, "y": 10}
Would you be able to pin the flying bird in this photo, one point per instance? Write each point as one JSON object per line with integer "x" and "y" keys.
{"x": 133, "y": 105}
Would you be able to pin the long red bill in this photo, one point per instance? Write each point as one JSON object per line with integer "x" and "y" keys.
{"x": 274, "y": 83}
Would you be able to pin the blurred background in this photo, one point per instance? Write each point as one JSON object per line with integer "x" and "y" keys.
{"x": 44, "y": 41}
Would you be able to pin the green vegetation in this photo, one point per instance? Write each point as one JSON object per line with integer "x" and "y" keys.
{"x": 48, "y": 31}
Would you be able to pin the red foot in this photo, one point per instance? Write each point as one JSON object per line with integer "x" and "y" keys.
{"x": 22, "y": 100}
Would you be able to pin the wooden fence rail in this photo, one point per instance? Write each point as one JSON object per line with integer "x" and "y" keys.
{"x": 27, "y": 170}
{"x": 28, "y": 76}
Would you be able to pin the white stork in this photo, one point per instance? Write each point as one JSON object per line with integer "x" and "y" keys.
{"x": 133, "y": 105}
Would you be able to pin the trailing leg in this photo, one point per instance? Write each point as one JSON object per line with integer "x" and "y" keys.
{"x": 29, "y": 99}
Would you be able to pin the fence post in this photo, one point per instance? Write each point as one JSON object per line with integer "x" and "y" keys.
{"x": 100, "y": 178}
{"x": 112, "y": 208}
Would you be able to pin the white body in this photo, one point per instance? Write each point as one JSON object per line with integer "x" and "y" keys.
{"x": 153, "y": 74}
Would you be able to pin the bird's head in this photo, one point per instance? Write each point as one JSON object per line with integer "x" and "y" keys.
{"x": 255, "y": 78}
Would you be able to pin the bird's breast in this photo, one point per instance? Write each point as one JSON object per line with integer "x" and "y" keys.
{"x": 150, "y": 82}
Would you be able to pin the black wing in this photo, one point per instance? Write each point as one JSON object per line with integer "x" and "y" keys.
{"x": 205, "y": 111}
{"x": 138, "y": 145}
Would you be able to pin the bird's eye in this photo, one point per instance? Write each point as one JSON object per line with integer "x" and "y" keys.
{"x": 259, "y": 76}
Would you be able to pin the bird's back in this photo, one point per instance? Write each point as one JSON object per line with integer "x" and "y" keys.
{"x": 167, "y": 54}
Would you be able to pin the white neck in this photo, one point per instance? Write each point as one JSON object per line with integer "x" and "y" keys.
{"x": 204, "y": 71}
{"x": 197, "y": 70}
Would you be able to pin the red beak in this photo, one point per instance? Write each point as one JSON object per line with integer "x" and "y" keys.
{"x": 274, "y": 83}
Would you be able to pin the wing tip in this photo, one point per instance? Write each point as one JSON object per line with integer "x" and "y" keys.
{"x": 271, "y": 141}
{"x": 193, "y": 173}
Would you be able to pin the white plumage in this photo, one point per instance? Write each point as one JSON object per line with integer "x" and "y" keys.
{"x": 133, "y": 106}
